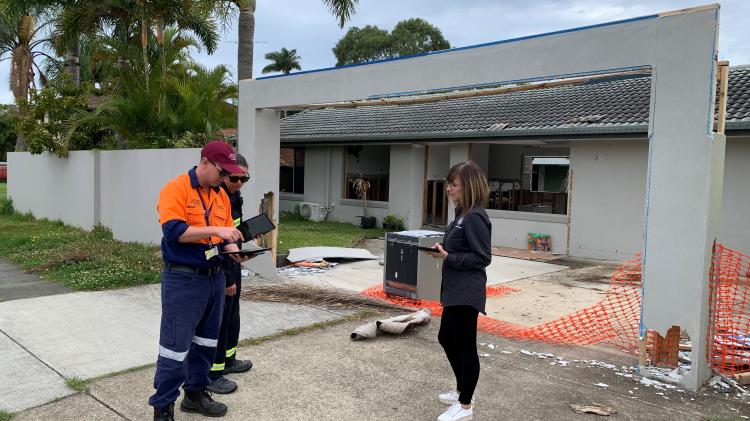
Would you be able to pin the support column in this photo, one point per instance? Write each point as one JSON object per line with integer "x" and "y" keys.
{"x": 684, "y": 183}
{"x": 460, "y": 152}
{"x": 407, "y": 184}
{"x": 260, "y": 143}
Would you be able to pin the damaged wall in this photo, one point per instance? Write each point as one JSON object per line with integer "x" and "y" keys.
{"x": 609, "y": 188}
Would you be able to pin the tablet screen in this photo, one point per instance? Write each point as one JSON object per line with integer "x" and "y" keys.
{"x": 253, "y": 227}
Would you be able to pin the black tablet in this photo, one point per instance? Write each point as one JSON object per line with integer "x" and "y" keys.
{"x": 246, "y": 253}
{"x": 253, "y": 227}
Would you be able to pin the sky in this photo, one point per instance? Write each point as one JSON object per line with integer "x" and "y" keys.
{"x": 308, "y": 27}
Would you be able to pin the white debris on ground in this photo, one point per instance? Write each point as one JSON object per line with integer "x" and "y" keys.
{"x": 656, "y": 384}
{"x": 662, "y": 381}
{"x": 719, "y": 384}
{"x": 308, "y": 267}
{"x": 540, "y": 355}
{"x": 668, "y": 375}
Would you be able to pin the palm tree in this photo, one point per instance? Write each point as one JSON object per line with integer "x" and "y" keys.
{"x": 340, "y": 9}
{"x": 22, "y": 42}
{"x": 282, "y": 61}
{"x": 123, "y": 17}
{"x": 128, "y": 19}
{"x": 190, "y": 98}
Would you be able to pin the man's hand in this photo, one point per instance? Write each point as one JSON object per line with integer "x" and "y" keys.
{"x": 229, "y": 234}
{"x": 232, "y": 290}
{"x": 442, "y": 255}
{"x": 236, "y": 257}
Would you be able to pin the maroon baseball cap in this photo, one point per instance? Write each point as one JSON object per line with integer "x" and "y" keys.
{"x": 223, "y": 154}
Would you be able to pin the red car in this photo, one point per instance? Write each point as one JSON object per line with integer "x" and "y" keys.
{"x": 3, "y": 172}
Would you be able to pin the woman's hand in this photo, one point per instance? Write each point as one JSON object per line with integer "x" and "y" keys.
{"x": 442, "y": 255}
{"x": 232, "y": 290}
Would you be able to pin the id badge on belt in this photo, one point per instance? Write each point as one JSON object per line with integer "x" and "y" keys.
{"x": 212, "y": 252}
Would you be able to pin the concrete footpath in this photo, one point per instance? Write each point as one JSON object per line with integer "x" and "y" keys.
{"x": 48, "y": 339}
{"x": 322, "y": 375}
{"x": 16, "y": 284}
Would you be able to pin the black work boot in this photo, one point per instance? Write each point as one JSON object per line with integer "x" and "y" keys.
{"x": 202, "y": 403}
{"x": 164, "y": 414}
{"x": 238, "y": 366}
{"x": 222, "y": 386}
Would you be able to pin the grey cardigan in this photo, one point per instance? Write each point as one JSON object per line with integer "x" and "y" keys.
{"x": 467, "y": 242}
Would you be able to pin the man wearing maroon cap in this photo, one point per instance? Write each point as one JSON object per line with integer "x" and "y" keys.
{"x": 196, "y": 220}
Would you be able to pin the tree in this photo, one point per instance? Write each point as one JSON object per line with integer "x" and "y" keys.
{"x": 282, "y": 61}
{"x": 47, "y": 111}
{"x": 191, "y": 100}
{"x": 149, "y": 17}
{"x": 415, "y": 36}
{"x": 411, "y": 36}
{"x": 361, "y": 45}
{"x": 22, "y": 42}
{"x": 7, "y": 131}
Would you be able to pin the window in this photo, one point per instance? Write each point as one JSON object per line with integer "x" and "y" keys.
{"x": 549, "y": 175}
{"x": 292, "y": 170}
{"x": 372, "y": 163}
{"x": 526, "y": 178}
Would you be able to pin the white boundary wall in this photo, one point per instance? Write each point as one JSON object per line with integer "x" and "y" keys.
{"x": 54, "y": 188}
{"x": 117, "y": 189}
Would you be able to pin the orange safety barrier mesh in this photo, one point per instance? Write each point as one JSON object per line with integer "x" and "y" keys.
{"x": 615, "y": 320}
{"x": 435, "y": 308}
{"x": 730, "y": 311}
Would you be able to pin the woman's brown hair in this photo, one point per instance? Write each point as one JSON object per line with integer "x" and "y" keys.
{"x": 476, "y": 190}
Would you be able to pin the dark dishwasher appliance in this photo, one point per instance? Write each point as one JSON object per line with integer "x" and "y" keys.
{"x": 409, "y": 272}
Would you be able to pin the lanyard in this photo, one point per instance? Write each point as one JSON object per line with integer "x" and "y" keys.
{"x": 206, "y": 212}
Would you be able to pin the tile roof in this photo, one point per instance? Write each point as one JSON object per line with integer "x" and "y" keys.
{"x": 618, "y": 105}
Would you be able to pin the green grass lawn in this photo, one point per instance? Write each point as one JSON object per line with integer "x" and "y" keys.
{"x": 92, "y": 260}
{"x": 78, "y": 259}
{"x": 3, "y": 190}
{"x": 297, "y": 232}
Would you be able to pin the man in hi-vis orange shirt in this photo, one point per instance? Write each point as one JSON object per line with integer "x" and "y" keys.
{"x": 196, "y": 220}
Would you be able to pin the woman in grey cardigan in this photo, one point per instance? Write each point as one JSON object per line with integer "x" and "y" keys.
{"x": 466, "y": 253}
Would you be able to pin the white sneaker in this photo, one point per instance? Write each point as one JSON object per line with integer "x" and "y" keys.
{"x": 456, "y": 413}
{"x": 449, "y": 398}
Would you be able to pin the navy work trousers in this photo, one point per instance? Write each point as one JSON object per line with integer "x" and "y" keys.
{"x": 229, "y": 334}
{"x": 191, "y": 308}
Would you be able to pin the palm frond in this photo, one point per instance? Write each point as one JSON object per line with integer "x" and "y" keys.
{"x": 342, "y": 9}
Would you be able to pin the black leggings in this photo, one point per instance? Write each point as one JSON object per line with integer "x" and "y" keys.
{"x": 458, "y": 336}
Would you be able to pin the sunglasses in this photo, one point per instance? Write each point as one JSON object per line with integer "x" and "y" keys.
{"x": 239, "y": 178}
{"x": 222, "y": 171}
